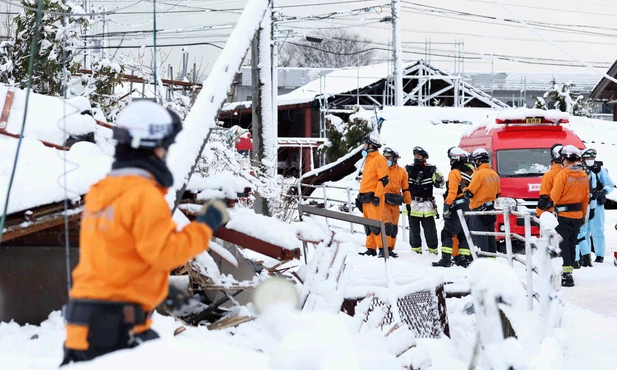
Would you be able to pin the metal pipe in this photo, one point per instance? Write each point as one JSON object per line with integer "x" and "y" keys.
{"x": 529, "y": 261}
{"x": 472, "y": 247}
{"x": 325, "y": 201}
{"x": 506, "y": 224}
{"x": 349, "y": 208}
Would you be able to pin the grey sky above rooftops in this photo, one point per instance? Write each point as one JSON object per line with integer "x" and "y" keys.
{"x": 584, "y": 28}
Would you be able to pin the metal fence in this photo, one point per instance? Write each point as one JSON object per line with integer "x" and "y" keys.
{"x": 547, "y": 247}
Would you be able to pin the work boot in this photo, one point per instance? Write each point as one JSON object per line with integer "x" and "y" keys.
{"x": 462, "y": 261}
{"x": 432, "y": 251}
{"x": 369, "y": 252}
{"x": 599, "y": 259}
{"x": 567, "y": 280}
{"x": 391, "y": 253}
{"x": 418, "y": 250}
{"x": 445, "y": 261}
{"x": 586, "y": 261}
{"x": 576, "y": 265}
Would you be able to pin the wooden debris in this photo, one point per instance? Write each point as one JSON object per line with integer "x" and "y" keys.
{"x": 229, "y": 322}
{"x": 179, "y": 330}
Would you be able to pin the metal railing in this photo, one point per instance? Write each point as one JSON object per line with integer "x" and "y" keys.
{"x": 547, "y": 246}
{"x": 349, "y": 203}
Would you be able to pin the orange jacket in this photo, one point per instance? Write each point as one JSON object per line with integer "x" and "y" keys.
{"x": 547, "y": 184}
{"x": 128, "y": 245}
{"x": 456, "y": 186}
{"x": 398, "y": 182}
{"x": 484, "y": 186}
{"x": 571, "y": 187}
{"x": 375, "y": 168}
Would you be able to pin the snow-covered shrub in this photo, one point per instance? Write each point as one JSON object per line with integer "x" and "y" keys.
{"x": 99, "y": 87}
{"x": 56, "y": 43}
{"x": 565, "y": 100}
{"x": 344, "y": 136}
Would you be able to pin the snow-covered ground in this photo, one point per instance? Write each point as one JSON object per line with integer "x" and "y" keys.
{"x": 589, "y": 332}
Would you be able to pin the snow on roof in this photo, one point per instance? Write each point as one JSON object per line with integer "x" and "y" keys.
{"x": 39, "y": 179}
{"x": 522, "y": 113}
{"x": 336, "y": 82}
{"x": 517, "y": 81}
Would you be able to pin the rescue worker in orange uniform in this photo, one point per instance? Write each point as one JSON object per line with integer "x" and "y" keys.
{"x": 482, "y": 192}
{"x": 545, "y": 204}
{"x": 458, "y": 179}
{"x": 397, "y": 193}
{"x": 128, "y": 240}
{"x": 372, "y": 189}
{"x": 570, "y": 194}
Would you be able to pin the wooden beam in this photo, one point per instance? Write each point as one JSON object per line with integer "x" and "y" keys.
{"x": 257, "y": 245}
{"x": 43, "y": 223}
{"x": 6, "y": 110}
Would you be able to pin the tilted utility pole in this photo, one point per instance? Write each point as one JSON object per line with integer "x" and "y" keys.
{"x": 398, "y": 53}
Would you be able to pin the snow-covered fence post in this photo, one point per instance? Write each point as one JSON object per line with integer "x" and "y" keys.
{"x": 507, "y": 230}
{"x": 550, "y": 279}
{"x": 190, "y": 143}
{"x": 325, "y": 200}
{"x": 528, "y": 260}
{"x": 348, "y": 189}
{"x": 472, "y": 247}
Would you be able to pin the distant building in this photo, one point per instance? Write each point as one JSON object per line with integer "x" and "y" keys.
{"x": 519, "y": 89}
{"x": 605, "y": 93}
{"x": 289, "y": 79}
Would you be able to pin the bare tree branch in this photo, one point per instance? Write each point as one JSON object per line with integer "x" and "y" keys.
{"x": 338, "y": 48}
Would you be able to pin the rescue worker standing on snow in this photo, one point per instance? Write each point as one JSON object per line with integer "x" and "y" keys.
{"x": 582, "y": 254}
{"x": 545, "y": 204}
{"x": 482, "y": 192}
{"x": 128, "y": 240}
{"x": 372, "y": 189}
{"x": 458, "y": 179}
{"x": 397, "y": 193}
{"x": 570, "y": 194}
{"x": 603, "y": 187}
{"x": 423, "y": 210}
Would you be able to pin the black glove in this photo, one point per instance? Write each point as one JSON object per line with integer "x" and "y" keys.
{"x": 176, "y": 299}
{"x": 375, "y": 202}
{"x": 214, "y": 214}
{"x": 592, "y": 213}
{"x": 408, "y": 207}
{"x": 467, "y": 194}
{"x": 446, "y": 211}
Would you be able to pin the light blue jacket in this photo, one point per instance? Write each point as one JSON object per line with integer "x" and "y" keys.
{"x": 605, "y": 180}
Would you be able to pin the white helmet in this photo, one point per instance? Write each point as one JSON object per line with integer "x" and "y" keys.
{"x": 571, "y": 153}
{"x": 457, "y": 153}
{"x": 480, "y": 155}
{"x": 372, "y": 139}
{"x": 145, "y": 124}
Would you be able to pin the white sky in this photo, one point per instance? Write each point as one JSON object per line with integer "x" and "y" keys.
{"x": 596, "y": 18}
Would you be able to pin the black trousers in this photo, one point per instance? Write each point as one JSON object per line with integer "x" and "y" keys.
{"x": 484, "y": 223}
{"x": 430, "y": 232}
{"x": 452, "y": 227}
{"x": 568, "y": 228}
{"x": 71, "y": 355}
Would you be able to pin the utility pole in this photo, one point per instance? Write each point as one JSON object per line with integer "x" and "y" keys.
{"x": 263, "y": 135}
{"x": 275, "y": 78}
{"x": 398, "y": 53}
{"x": 104, "y": 42}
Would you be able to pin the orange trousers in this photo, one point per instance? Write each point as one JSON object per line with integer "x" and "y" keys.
{"x": 373, "y": 234}
{"x": 391, "y": 215}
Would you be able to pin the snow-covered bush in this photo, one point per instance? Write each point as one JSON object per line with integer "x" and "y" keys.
{"x": 56, "y": 43}
{"x": 565, "y": 100}
{"x": 99, "y": 87}
{"x": 344, "y": 136}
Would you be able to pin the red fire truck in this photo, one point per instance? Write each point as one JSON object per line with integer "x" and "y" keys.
{"x": 519, "y": 143}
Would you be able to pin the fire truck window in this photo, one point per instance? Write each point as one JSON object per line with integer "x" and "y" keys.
{"x": 523, "y": 162}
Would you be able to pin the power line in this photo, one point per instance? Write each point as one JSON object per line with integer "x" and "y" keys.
{"x": 10, "y": 2}
{"x": 550, "y": 9}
